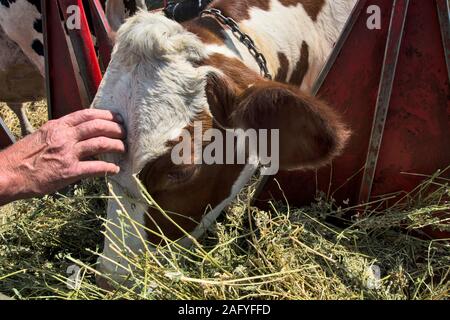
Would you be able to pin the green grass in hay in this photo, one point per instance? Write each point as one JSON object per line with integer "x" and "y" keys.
{"x": 287, "y": 253}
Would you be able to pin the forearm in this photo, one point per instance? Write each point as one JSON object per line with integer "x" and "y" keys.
{"x": 17, "y": 170}
{"x": 10, "y": 188}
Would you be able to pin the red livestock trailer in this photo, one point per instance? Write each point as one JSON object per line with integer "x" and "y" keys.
{"x": 390, "y": 82}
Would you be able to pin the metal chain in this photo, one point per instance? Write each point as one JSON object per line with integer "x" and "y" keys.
{"x": 242, "y": 37}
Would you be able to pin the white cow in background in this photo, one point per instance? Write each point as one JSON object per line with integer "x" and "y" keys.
{"x": 22, "y": 65}
{"x": 21, "y": 56}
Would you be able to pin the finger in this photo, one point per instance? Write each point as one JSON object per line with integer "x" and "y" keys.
{"x": 99, "y": 128}
{"x": 85, "y": 115}
{"x": 98, "y": 146}
{"x": 96, "y": 169}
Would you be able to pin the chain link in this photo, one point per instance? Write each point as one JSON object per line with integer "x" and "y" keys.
{"x": 242, "y": 37}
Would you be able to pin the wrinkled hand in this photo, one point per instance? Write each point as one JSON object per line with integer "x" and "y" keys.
{"x": 58, "y": 154}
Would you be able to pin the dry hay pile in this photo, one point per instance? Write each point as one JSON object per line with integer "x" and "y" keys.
{"x": 284, "y": 253}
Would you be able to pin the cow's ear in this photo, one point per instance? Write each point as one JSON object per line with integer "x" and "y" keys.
{"x": 222, "y": 97}
{"x": 310, "y": 133}
{"x": 115, "y": 13}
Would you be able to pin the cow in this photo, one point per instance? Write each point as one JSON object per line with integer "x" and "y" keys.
{"x": 22, "y": 65}
{"x": 167, "y": 78}
{"x": 20, "y": 80}
{"x": 22, "y": 56}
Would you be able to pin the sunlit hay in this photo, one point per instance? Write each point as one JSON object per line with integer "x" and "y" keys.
{"x": 37, "y": 113}
{"x": 287, "y": 253}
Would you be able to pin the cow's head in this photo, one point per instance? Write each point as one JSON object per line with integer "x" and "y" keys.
{"x": 163, "y": 82}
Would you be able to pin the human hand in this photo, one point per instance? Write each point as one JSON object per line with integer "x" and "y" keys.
{"x": 57, "y": 154}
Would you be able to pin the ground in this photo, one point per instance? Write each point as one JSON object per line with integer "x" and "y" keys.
{"x": 49, "y": 247}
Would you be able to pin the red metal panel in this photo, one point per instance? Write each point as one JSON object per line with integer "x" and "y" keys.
{"x": 63, "y": 95}
{"x": 6, "y": 137}
{"x": 350, "y": 84}
{"x": 84, "y": 49}
{"x": 102, "y": 31}
{"x": 416, "y": 136}
{"x": 394, "y": 41}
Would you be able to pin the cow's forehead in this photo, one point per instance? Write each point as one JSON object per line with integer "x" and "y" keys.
{"x": 153, "y": 83}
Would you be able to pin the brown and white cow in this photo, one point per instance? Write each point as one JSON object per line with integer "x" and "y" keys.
{"x": 165, "y": 77}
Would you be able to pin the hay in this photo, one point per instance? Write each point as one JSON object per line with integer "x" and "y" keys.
{"x": 37, "y": 114}
{"x": 284, "y": 253}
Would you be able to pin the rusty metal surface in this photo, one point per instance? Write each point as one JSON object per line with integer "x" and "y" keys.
{"x": 6, "y": 137}
{"x": 394, "y": 40}
{"x": 416, "y": 137}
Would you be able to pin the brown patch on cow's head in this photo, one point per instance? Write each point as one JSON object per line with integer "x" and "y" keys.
{"x": 185, "y": 191}
{"x": 310, "y": 134}
{"x": 206, "y": 28}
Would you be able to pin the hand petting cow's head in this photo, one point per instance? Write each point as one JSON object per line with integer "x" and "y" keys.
{"x": 169, "y": 86}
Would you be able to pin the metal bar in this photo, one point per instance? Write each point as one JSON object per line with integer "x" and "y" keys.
{"x": 395, "y": 36}
{"x": 63, "y": 94}
{"x": 354, "y": 16}
{"x": 6, "y": 137}
{"x": 83, "y": 48}
{"x": 102, "y": 31}
{"x": 443, "y": 7}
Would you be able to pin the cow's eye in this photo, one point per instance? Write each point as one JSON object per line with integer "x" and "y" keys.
{"x": 182, "y": 173}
